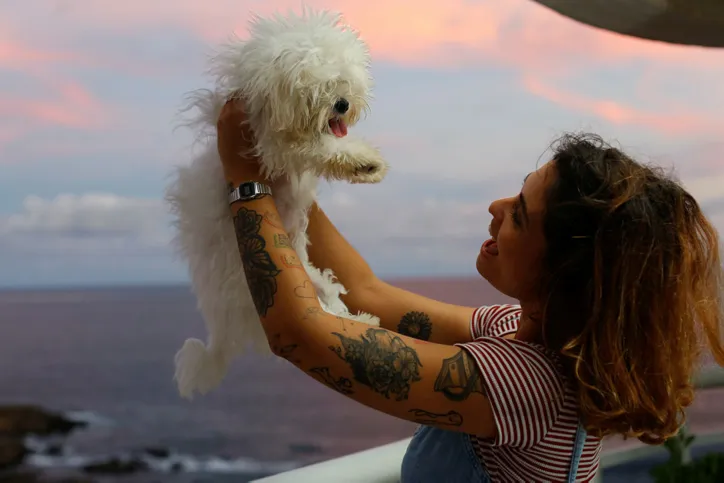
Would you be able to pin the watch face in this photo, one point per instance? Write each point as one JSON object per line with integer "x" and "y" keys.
{"x": 247, "y": 189}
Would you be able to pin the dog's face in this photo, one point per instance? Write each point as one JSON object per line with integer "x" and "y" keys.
{"x": 310, "y": 82}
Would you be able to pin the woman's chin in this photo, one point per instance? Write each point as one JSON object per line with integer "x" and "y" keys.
{"x": 480, "y": 266}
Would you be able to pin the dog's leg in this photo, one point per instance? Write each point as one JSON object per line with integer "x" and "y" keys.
{"x": 350, "y": 159}
{"x": 328, "y": 292}
{"x": 328, "y": 289}
{"x": 368, "y": 319}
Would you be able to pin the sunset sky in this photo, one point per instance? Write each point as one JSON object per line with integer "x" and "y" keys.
{"x": 469, "y": 94}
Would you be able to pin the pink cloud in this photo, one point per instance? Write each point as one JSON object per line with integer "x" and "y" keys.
{"x": 74, "y": 108}
{"x": 61, "y": 101}
{"x": 425, "y": 32}
{"x": 46, "y": 50}
{"x": 673, "y": 122}
{"x": 41, "y": 111}
{"x": 16, "y": 55}
{"x": 517, "y": 34}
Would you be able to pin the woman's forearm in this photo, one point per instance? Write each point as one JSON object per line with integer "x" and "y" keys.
{"x": 284, "y": 295}
{"x": 280, "y": 287}
{"x": 329, "y": 249}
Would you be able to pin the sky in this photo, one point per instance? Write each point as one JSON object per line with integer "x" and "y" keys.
{"x": 469, "y": 94}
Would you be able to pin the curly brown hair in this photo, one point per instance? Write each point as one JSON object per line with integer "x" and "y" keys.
{"x": 632, "y": 291}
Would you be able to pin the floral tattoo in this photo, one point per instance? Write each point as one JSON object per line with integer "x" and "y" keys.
{"x": 380, "y": 360}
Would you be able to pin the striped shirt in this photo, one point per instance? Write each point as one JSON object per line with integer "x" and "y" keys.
{"x": 535, "y": 408}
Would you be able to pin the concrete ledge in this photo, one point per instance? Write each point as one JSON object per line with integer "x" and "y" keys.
{"x": 376, "y": 465}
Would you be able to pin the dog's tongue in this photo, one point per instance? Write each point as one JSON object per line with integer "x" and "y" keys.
{"x": 339, "y": 128}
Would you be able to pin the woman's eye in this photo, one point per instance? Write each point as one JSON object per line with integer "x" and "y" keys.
{"x": 514, "y": 214}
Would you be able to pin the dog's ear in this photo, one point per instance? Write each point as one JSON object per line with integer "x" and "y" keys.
{"x": 281, "y": 106}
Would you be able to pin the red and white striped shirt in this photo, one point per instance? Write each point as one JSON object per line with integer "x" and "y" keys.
{"x": 535, "y": 408}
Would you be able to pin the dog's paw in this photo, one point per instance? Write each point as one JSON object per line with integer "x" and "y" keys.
{"x": 368, "y": 319}
{"x": 354, "y": 160}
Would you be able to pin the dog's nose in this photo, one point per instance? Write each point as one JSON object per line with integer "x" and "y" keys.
{"x": 341, "y": 106}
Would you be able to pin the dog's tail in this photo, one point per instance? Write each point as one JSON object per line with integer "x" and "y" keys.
{"x": 198, "y": 368}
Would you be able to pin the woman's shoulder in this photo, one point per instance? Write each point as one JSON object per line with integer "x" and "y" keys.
{"x": 524, "y": 385}
{"x": 495, "y": 320}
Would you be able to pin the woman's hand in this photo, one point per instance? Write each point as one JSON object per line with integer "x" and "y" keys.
{"x": 235, "y": 143}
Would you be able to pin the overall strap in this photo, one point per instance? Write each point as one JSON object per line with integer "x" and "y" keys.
{"x": 577, "y": 452}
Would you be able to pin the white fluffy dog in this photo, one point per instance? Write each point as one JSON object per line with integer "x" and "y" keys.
{"x": 304, "y": 79}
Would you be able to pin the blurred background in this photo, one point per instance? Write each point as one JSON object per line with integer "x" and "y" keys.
{"x": 93, "y": 303}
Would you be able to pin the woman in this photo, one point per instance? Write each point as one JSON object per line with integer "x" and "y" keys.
{"x": 619, "y": 280}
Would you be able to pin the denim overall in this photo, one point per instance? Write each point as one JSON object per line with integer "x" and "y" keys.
{"x": 439, "y": 456}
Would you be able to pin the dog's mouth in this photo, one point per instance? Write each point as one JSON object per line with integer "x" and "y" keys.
{"x": 337, "y": 126}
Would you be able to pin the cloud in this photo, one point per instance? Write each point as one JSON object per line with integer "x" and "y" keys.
{"x": 418, "y": 237}
{"x": 70, "y": 105}
{"x": 469, "y": 94}
{"x": 73, "y": 43}
{"x": 87, "y": 240}
{"x": 395, "y": 29}
{"x": 91, "y": 231}
{"x": 670, "y": 123}
{"x": 101, "y": 223}
{"x": 14, "y": 55}
{"x": 453, "y": 33}
{"x": 410, "y": 225}
{"x": 41, "y": 96}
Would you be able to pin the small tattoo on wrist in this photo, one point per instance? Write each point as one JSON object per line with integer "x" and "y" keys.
{"x": 290, "y": 261}
{"x": 282, "y": 241}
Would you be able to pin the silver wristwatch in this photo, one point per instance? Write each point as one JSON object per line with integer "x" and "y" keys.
{"x": 248, "y": 191}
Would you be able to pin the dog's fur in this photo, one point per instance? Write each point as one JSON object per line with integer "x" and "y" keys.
{"x": 290, "y": 73}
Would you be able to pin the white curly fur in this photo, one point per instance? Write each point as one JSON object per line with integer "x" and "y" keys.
{"x": 290, "y": 71}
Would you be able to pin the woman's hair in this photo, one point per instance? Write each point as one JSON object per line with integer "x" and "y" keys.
{"x": 632, "y": 288}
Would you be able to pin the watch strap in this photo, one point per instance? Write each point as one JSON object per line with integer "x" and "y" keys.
{"x": 250, "y": 190}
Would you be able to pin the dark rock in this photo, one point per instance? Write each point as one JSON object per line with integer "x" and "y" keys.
{"x": 71, "y": 479}
{"x": 116, "y": 466}
{"x": 27, "y": 476}
{"x": 20, "y": 477}
{"x": 158, "y": 452}
{"x": 54, "y": 450}
{"x": 12, "y": 452}
{"x": 23, "y": 420}
{"x": 177, "y": 467}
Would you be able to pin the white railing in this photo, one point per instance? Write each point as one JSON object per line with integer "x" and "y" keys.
{"x": 382, "y": 464}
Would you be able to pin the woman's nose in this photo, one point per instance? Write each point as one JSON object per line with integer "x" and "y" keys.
{"x": 495, "y": 208}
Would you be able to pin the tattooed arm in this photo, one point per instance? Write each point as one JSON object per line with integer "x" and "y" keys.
{"x": 399, "y": 310}
{"x": 426, "y": 383}
{"x": 423, "y": 382}
{"x": 419, "y": 381}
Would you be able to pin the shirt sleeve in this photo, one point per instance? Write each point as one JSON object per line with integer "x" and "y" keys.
{"x": 524, "y": 388}
{"x": 494, "y": 320}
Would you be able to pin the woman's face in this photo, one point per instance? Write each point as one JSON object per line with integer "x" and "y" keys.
{"x": 511, "y": 259}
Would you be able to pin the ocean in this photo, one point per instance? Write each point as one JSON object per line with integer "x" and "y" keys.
{"x": 105, "y": 356}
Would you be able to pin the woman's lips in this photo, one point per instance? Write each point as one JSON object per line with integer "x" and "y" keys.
{"x": 490, "y": 247}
